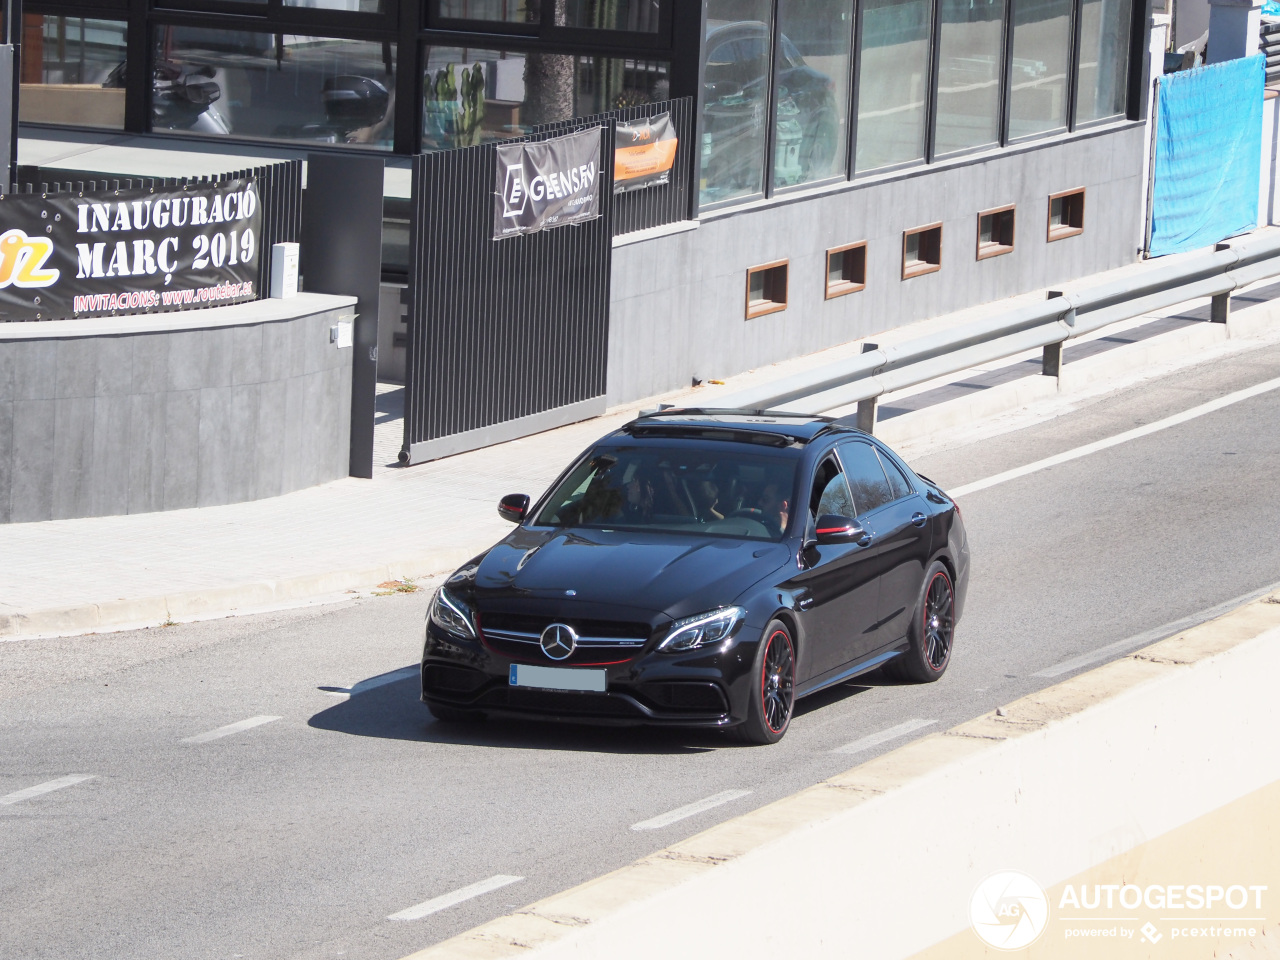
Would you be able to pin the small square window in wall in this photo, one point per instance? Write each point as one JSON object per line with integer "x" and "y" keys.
{"x": 846, "y": 269}
{"x": 921, "y": 251}
{"x": 767, "y": 289}
{"x": 995, "y": 232}
{"x": 1066, "y": 214}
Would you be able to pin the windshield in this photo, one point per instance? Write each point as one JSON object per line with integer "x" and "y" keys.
{"x": 712, "y": 490}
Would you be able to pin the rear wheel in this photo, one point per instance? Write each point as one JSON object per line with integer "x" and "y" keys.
{"x": 932, "y": 631}
{"x": 773, "y": 693}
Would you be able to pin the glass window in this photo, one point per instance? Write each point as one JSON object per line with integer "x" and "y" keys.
{"x": 637, "y": 16}
{"x": 836, "y": 499}
{"x": 73, "y": 71}
{"x": 475, "y": 96}
{"x": 505, "y": 11}
{"x": 350, "y": 6}
{"x": 736, "y": 99}
{"x": 893, "y": 81}
{"x": 1038, "y": 78}
{"x": 715, "y": 490}
{"x": 1104, "y": 59}
{"x": 897, "y": 482}
{"x": 278, "y": 87}
{"x": 969, "y": 74}
{"x": 866, "y": 477}
{"x": 812, "y": 79}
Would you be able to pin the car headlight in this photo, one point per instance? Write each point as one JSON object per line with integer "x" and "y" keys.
{"x": 452, "y": 615}
{"x": 703, "y": 630}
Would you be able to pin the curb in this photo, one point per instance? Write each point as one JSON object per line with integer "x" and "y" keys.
{"x": 556, "y": 917}
{"x": 214, "y": 602}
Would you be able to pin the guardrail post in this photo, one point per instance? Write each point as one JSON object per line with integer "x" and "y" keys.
{"x": 867, "y": 415}
{"x": 1220, "y": 305}
{"x": 1051, "y": 359}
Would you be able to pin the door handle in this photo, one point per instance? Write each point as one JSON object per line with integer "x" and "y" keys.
{"x": 918, "y": 519}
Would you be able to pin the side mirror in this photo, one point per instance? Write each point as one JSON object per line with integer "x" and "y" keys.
{"x": 513, "y": 507}
{"x": 836, "y": 529}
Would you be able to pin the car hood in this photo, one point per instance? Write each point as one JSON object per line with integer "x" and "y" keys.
{"x": 662, "y": 573}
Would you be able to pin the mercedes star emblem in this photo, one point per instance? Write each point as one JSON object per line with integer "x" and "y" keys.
{"x": 559, "y": 640}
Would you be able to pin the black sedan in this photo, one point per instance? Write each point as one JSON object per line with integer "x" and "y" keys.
{"x": 703, "y": 568}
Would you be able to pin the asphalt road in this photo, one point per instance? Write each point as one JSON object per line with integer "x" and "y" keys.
{"x": 298, "y": 837}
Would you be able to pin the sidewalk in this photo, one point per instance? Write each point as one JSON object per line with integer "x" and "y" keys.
{"x": 74, "y": 576}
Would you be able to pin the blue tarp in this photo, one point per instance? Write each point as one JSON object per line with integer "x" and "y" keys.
{"x": 1208, "y": 154}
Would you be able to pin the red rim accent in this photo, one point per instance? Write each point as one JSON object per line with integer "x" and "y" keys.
{"x": 764, "y": 714}
{"x": 924, "y": 620}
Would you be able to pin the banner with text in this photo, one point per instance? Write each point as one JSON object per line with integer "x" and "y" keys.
{"x": 644, "y": 152}
{"x": 66, "y": 256}
{"x": 552, "y": 183}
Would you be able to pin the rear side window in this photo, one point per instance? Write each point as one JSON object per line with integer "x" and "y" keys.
{"x": 897, "y": 482}
{"x": 867, "y": 481}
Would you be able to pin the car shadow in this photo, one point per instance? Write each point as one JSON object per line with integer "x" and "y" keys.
{"x": 837, "y": 694}
{"x": 387, "y": 707}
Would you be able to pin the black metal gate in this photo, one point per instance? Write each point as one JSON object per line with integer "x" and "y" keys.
{"x": 510, "y": 337}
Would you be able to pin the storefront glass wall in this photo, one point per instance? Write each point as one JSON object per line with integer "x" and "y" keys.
{"x": 73, "y": 71}
{"x": 736, "y": 90}
{"x": 969, "y": 71}
{"x": 1041, "y": 64}
{"x": 473, "y": 96}
{"x": 811, "y": 79}
{"x": 349, "y": 6}
{"x": 273, "y": 86}
{"x": 893, "y": 82}
{"x": 1104, "y": 58}
{"x": 502, "y": 11}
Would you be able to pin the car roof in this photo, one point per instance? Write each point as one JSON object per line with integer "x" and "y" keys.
{"x": 770, "y": 427}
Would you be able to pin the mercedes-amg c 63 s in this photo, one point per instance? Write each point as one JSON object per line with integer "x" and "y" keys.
{"x": 703, "y": 568}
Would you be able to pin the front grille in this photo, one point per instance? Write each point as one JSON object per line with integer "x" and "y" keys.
{"x": 519, "y": 637}
{"x": 442, "y": 678}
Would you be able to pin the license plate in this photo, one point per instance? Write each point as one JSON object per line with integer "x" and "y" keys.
{"x": 557, "y": 678}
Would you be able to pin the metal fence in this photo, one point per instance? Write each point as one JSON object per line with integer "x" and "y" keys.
{"x": 279, "y": 193}
{"x": 506, "y": 337}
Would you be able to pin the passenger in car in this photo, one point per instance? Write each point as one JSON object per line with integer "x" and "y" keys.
{"x": 774, "y": 507}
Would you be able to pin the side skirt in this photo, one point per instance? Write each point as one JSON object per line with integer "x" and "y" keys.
{"x": 851, "y": 670}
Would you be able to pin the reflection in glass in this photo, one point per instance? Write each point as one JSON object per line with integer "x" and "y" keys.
{"x": 1104, "y": 58}
{"x": 1038, "y": 79}
{"x": 638, "y": 16}
{"x": 350, "y": 6}
{"x": 505, "y": 11}
{"x": 736, "y": 85}
{"x": 475, "y": 96}
{"x": 280, "y": 87}
{"x": 812, "y": 90}
{"x": 73, "y": 71}
{"x": 969, "y": 74}
{"x": 893, "y": 80}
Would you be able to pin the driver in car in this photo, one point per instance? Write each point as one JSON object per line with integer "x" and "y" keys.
{"x": 774, "y": 508}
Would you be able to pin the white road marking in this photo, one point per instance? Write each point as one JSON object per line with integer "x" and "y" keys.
{"x": 395, "y": 676}
{"x": 884, "y": 736}
{"x": 446, "y": 900}
{"x": 1140, "y": 640}
{"x": 1199, "y": 411}
{"x": 229, "y": 729}
{"x": 47, "y": 787}
{"x": 689, "y": 810}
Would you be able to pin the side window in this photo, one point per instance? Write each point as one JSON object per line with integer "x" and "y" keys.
{"x": 897, "y": 482}
{"x": 830, "y": 491}
{"x": 867, "y": 481}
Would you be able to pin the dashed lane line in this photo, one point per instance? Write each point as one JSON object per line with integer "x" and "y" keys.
{"x": 47, "y": 787}
{"x": 447, "y": 900}
{"x": 884, "y": 736}
{"x": 229, "y": 729}
{"x": 689, "y": 810}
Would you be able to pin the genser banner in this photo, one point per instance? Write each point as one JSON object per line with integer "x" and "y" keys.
{"x": 129, "y": 251}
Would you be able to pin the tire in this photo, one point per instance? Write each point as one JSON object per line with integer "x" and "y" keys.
{"x": 932, "y": 631}
{"x": 773, "y": 693}
{"x": 447, "y": 714}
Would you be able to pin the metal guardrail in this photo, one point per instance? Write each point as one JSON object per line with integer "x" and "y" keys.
{"x": 1049, "y": 324}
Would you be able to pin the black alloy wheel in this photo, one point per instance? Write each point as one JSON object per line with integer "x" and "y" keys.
{"x": 932, "y": 632}
{"x": 774, "y": 699}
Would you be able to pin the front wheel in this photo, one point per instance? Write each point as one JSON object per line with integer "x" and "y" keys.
{"x": 932, "y": 631}
{"x": 773, "y": 693}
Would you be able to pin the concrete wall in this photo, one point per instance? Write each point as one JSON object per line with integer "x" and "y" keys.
{"x": 134, "y": 414}
{"x": 678, "y": 300}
